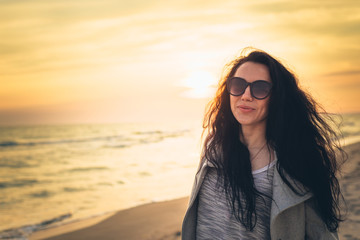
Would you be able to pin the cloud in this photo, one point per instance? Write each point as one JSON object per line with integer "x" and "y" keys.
{"x": 285, "y": 6}
{"x": 342, "y": 73}
{"x": 99, "y": 46}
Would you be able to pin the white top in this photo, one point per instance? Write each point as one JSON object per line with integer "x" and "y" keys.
{"x": 215, "y": 219}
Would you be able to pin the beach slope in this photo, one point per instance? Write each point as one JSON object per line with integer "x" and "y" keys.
{"x": 150, "y": 221}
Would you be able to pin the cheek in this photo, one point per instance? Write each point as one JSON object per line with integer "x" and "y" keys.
{"x": 265, "y": 107}
{"x": 232, "y": 104}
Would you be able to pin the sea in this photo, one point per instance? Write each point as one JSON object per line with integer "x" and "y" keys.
{"x": 55, "y": 174}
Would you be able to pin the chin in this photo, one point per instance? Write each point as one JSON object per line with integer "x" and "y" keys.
{"x": 244, "y": 123}
{"x": 250, "y": 122}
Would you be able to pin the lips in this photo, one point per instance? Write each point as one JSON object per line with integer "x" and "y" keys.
{"x": 246, "y": 107}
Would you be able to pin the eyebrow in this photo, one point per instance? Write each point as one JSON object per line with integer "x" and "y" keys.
{"x": 254, "y": 81}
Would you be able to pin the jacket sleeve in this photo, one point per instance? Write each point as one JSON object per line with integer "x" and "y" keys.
{"x": 315, "y": 227}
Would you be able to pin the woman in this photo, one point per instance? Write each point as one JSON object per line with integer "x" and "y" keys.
{"x": 268, "y": 169}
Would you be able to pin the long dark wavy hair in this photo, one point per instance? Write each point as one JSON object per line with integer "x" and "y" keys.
{"x": 297, "y": 128}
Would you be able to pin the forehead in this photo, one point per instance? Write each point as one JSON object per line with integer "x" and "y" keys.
{"x": 251, "y": 71}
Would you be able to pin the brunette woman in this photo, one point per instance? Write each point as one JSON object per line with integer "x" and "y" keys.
{"x": 268, "y": 168}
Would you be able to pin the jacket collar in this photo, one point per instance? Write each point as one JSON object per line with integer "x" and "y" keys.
{"x": 284, "y": 197}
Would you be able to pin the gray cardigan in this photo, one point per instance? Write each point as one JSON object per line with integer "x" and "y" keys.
{"x": 292, "y": 216}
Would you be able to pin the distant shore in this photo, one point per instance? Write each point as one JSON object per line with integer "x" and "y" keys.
{"x": 162, "y": 221}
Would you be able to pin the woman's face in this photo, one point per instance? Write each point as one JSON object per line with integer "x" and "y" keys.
{"x": 248, "y": 110}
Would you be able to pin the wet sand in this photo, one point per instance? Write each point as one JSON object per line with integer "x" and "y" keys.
{"x": 162, "y": 221}
{"x": 153, "y": 221}
{"x": 350, "y": 186}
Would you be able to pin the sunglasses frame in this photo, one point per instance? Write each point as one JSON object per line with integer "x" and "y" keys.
{"x": 228, "y": 85}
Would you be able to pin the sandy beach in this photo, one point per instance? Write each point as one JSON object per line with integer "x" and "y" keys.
{"x": 162, "y": 221}
{"x": 350, "y": 185}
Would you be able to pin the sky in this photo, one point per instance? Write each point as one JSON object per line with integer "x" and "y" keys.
{"x": 106, "y": 61}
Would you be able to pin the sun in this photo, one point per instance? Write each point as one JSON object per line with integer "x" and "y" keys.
{"x": 200, "y": 84}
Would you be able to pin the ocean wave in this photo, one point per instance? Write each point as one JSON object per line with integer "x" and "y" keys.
{"x": 148, "y": 132}
{"x": 145, "y": 174}
{"x": 24, "y": 232}
{"x": 86, "y": 169}
{"x": 60, "y": 141}
{"x": 76, "y": 189}
{"x": 8, "y": 144}
{"x": 15, "y": 163}
{"x": 4, "y": 203}
{"x": 41, "y": 194}
{"x": 18, "y": 183}
{"x": 116, "y": 146}
{"x": 146, "y": 137}
{"x": 105, "y": 184}
{"x": 163, "y": 134}
{"x": 114, "y": 141}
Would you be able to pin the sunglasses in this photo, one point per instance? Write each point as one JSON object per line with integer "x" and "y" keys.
{"x": 259, "y": 89}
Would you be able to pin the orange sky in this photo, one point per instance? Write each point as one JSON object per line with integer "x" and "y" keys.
{"x": 98, "y": 61}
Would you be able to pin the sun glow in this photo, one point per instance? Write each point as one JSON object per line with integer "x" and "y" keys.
{"x": 200, "y": 84}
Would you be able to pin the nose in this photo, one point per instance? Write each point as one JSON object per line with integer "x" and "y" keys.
{"x": 247, "y": 95}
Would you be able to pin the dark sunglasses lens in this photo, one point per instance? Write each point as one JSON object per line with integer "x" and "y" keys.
{"x": 237, "y": 86}
{"x": 261, "y": 89}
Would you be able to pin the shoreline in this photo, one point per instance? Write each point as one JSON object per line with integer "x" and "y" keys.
{"x": 162, "y": 220}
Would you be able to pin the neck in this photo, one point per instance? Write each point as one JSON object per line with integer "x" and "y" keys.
{"x": 253, "y": 136}
{"x": 254, "y": 139}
